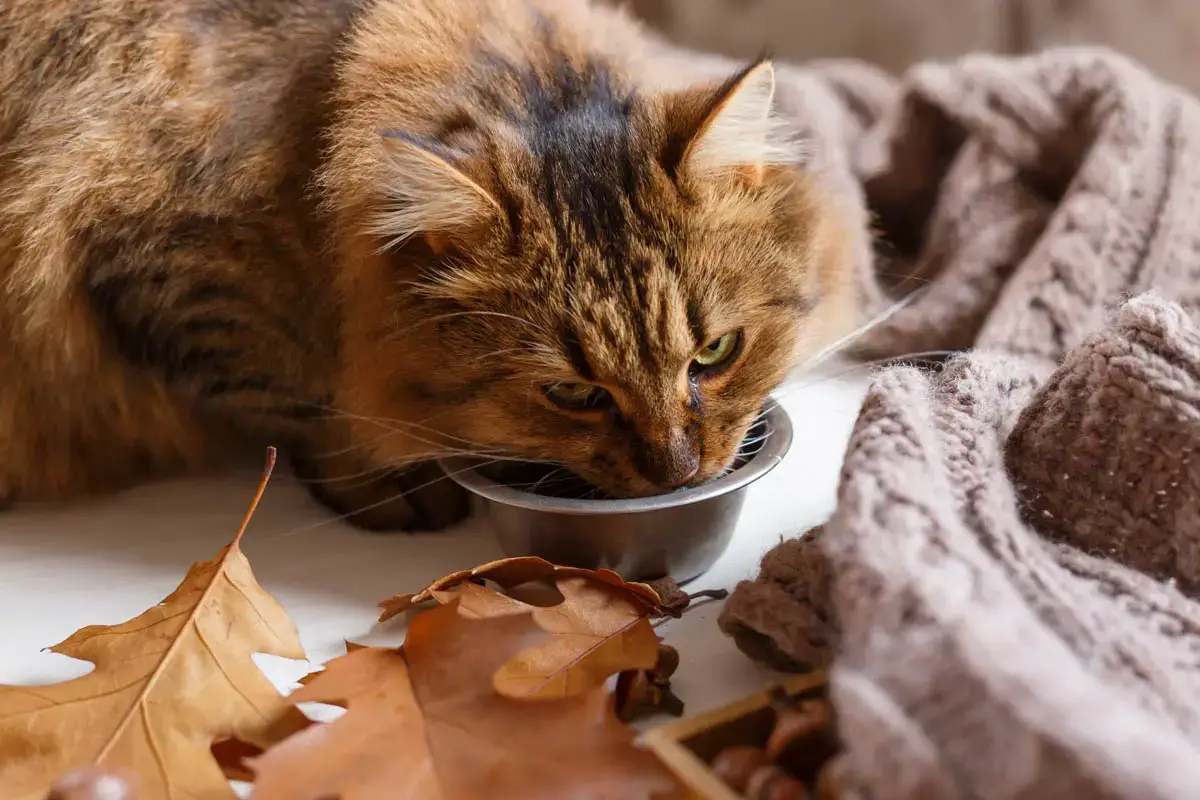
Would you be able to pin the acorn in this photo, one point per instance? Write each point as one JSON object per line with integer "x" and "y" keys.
{"x": 773, "y": 783}
{"x": 668, "y": 662}
{"x": 795, "y": 726}
{"x": 737, "y": 764}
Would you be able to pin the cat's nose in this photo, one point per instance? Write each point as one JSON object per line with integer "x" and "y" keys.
{"x": 669, "y": 465}
{"x": 681, "y": 476}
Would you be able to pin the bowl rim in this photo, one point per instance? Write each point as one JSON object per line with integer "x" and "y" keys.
{"x": 461, "y": 470}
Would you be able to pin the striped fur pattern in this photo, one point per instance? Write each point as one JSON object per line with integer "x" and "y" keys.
{"x": 378, "y": 232}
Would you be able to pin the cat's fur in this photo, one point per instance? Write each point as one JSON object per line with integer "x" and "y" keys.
{"x": 373, "y": 232}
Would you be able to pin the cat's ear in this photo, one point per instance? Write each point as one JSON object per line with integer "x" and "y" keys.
{"x": 738, "y": 131}
{"x": 429, "y": 193}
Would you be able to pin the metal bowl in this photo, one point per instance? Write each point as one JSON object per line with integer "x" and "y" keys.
{"x": 680, "y": 534}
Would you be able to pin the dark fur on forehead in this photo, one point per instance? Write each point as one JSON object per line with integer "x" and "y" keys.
{"x": 574, "y": 120}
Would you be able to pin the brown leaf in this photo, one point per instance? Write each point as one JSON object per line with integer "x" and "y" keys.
{"x": 597, "y": 631}
{"x": 424, "y": 723}
{"x": 167, "y": 684}
{"x": 512, "y": 572}
{"x": 350, "y": 648}
{"x": 232, "y": 755}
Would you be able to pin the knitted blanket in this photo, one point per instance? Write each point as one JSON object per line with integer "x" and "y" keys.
{"x": 1004, "y": 592}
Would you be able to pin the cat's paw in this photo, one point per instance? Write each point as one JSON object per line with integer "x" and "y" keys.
{"x": 436, "y": 500}
{"x": 420, "y": 499}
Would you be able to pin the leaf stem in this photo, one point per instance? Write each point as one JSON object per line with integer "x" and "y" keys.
{"x": 258, "y": 495}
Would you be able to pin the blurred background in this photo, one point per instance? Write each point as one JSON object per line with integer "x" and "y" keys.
{"x": 1163, "y": 34}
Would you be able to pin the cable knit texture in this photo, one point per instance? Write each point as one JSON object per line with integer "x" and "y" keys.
{"x": 1004, "y": 590}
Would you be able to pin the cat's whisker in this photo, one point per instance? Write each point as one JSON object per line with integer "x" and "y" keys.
{"x": 743, "y": 450}
{"x": 363, "y": 480}
{"x": 343, "y": 451}
{"x": 756, "y": 436}
{"x": 433, "y": 443}
{"x": 850, "y": 369}
{"x": 373, "y": 473}
{"x": 446, "y": 449}
{"x": 379, "y": 503}
{"x": 393, "y": 336}
{"x": 534, "y": 353}
{"x": 555, "y": 478}
{"x": 394, "y": 425}
{"x": 539, "y": 483}
{"x": 494, "y": 353}
{"x": 755, "y": 440}
{"x": 829, "y": 351}
{"x": 904, "y": 277}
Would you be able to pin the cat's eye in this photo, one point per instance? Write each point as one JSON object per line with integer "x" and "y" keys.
{"x": 718, "y": 352}
{"x": 578, "y": 396}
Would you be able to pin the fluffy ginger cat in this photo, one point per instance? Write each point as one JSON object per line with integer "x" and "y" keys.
{"x": 379, "y": 232}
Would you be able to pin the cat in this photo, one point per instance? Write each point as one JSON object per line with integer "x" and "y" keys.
{"x": 379, "y": 232}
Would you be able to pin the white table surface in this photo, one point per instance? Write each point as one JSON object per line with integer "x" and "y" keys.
{"x": 103, "y": 562}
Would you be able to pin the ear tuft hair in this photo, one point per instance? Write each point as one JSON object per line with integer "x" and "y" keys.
{"x": 427, "y": 193}
{"x": 742, "y": 133}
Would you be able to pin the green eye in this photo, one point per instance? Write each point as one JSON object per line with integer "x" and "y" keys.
{"x": 718, "y": 351}
{"x": 577, "y": 396}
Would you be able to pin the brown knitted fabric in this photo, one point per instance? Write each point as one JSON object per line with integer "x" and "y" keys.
{"x": 1003, "y": 589}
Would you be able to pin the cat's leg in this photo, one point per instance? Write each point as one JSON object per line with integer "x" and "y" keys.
{"x": 236, "y": 318}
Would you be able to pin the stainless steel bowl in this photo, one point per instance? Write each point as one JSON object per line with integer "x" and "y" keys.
{"x": 680, "y": 534}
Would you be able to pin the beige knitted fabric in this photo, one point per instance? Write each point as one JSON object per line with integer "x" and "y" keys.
{"x": 1002, "y": 589}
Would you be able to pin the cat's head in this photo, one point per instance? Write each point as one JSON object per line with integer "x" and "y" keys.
{"x": 611, "y": 281}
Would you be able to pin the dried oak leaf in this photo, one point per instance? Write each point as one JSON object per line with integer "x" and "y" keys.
{"x": 596, "y": 631}
{"x": 166, "y": 685}
{"x": 511, "y": 572}
{"x": 424, "y": 723}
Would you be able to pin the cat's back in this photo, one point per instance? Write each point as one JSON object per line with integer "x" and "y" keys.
{"x": 128, "y": 128}
{"x": 129, "y": 103}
